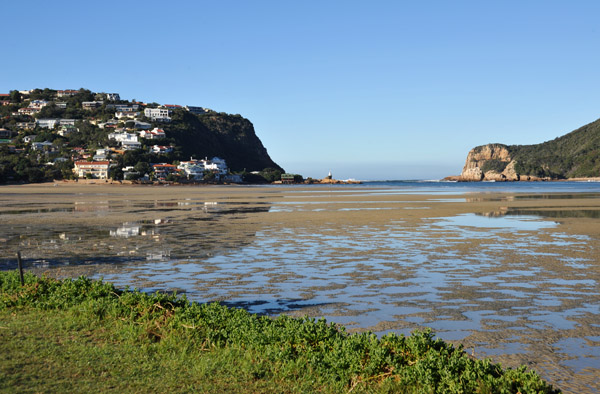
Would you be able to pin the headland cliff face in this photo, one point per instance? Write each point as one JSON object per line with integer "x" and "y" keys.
{"x": 492, "y": 162}
{"x": 573, "y": 155}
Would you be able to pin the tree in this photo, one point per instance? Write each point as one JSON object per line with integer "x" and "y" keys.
{"x": 15, "y": 96}
{"x": 209, "y": 176}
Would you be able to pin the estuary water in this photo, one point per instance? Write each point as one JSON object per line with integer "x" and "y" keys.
{"x": 509, "y": 270}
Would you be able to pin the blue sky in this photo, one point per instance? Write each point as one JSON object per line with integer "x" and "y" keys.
{"x": 367, "y": 90}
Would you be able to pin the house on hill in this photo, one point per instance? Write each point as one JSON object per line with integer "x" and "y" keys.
{"x": 153, "y": 134}
{"x": 96, "y": 169}
{"x": 163, "y": 170}
{"x": 158, "y": 114}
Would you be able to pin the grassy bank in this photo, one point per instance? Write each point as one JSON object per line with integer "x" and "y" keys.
{"x": 87, "y": 336}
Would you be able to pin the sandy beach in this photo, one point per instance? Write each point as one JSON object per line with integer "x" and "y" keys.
{"x": 512, "y": 276}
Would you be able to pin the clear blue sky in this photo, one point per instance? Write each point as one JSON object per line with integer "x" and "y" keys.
{"x": 368, "y": 90}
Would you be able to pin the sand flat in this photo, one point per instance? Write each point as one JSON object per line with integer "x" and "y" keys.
{"x": 513, "y": 276}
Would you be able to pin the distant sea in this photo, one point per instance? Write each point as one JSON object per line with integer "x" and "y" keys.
{"x": 482, "y": 187}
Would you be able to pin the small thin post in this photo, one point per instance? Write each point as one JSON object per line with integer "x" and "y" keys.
{"x": 20, "y": 268}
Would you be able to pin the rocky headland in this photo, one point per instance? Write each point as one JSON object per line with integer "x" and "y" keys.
{"x": 575, "y": 155}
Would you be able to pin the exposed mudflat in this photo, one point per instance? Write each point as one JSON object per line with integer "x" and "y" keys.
{"x": 512, "y": 276}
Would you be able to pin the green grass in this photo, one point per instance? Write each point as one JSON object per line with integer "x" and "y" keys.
{"x": 87, "y": 336}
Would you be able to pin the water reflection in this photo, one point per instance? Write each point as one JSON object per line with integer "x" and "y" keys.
{"x": 554, "y": 212}
{"x": 183, "y": 230}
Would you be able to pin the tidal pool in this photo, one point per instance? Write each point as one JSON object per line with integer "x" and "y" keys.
{"x": 492, "y": 272}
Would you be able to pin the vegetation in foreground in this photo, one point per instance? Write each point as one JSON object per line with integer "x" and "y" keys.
{"x": 82, "y": 335}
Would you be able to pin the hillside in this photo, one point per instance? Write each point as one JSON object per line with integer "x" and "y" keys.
{"x": 574, "y": 155}
{"x": 45, "y": 132}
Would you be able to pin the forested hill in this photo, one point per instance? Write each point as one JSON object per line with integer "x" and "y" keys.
{"x": 574, "y": 155}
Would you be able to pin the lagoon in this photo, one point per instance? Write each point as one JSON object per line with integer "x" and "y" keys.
{"x": 509, "y": 270}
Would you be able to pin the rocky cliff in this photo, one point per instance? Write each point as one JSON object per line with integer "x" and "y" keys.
{"x": 230, "y": 137}
{"x": 576, "y": 154}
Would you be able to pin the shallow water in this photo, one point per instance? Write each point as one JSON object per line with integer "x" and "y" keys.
{"x": 508, "y": 282}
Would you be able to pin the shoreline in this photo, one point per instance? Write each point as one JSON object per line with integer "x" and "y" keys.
{"x": 108, "y": 182}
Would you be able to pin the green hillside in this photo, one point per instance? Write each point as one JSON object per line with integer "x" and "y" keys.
{"x": 573, "y": 155}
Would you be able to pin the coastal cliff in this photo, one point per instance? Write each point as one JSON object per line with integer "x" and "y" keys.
{"x": 574, "y": 155}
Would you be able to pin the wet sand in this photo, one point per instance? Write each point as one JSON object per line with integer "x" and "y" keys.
{"x": 513, "y": 276}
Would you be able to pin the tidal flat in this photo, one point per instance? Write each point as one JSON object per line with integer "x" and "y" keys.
{"x": 513, "y": 276}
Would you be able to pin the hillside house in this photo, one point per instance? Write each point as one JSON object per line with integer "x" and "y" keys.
{"x": 96, "y": 169}
{"x": 66, "y": 93}
{"x": 123, "y": 107}
{"x": 47, "y": 123}
{"x": 28, "y": 111}
{"x": 5, "y": 133}
{"x": 45, "y": 146}
{"x": 196, "y": 110}
{"x": 66, "y": 130}
{"x": 109, "y": 124}
{"x": 161, "y": 150}
{"x": 120, "y": 137}
{"x": 126, "y": 115}
{"x": 25, "y": 125}
{"x": 131, "y": 145}
{"x": 112, "y": 96}
{"x": 157, "y": 114}
{"x": 153, "y": 134}
{"x": 66, "y": 122}
{"x": 192, "y": 169}
{"x": 142, "y": 125}
{"x": 162, "y": 171}
{"x": 216, "y": 165}
{"x": 39, "y": 104}
{"x": 89, "y": 105}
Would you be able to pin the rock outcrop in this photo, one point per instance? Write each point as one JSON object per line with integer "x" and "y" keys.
{"x": 490, "y": 162}
{"x": 573, "y": 156}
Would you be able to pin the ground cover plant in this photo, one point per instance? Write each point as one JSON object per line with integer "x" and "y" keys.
{"x": 79, "y": 335}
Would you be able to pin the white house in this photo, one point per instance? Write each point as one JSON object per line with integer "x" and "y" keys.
{"x": 160, "y": 149}
{"x": 97, "y": 169}
{"x": 216, "y": 165}
{"x": 108, "y": 124}
{"x": 123, "y": 107}
{"x": 102, "y": 154}
{"x": 47, "y": 123}
{"x": 127, "y": 115}
{"x": 112, "y": 96}
{"x": 66, "y": 122}
{"x": 39, "y": 104}
{"x": 153, "y": 134}
{"x": 66, "y": 130}
{"x": 121, "y": 137}
{"x": 193, "y": 169}
{"x": 158, "y": 114}
{"x": 28, "y": 111}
